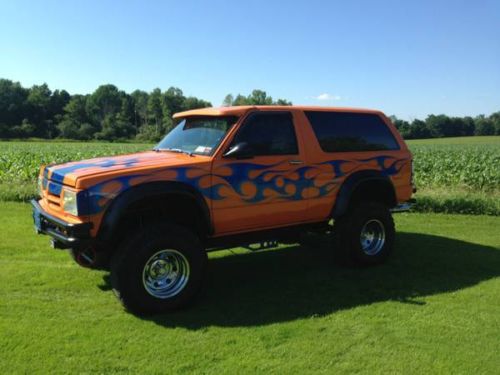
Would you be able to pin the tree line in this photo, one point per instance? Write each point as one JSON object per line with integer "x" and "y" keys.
{"x": 257, "y": 97}
{"x": 438, "y": 126}
{"x": 112, "y": 114}
{"x": 108, "y": 113}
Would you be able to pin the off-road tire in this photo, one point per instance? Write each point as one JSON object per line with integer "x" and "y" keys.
{"x": 129, "y": 261}
{"x": 347, "y": 232}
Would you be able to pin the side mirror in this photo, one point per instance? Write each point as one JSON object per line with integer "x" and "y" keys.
{"x": 239, "y": 151}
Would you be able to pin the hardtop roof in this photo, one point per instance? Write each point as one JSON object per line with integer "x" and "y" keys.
{"x": 240, "y": 110}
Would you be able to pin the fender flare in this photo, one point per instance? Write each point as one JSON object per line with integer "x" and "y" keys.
{"x": 354, "y": 181}
{"x": 124, "y": 200}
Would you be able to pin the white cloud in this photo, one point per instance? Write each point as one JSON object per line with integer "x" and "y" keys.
{"x": 327, "y": 97}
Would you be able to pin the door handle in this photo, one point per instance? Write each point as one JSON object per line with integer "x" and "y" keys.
{"x": 295, "y": 162}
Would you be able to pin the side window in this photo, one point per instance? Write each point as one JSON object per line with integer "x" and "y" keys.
{"x": 343, "y": 131}
{"x": 269, "y": 134}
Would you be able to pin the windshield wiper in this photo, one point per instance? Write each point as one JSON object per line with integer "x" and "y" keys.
{"x": 177, "y": 150}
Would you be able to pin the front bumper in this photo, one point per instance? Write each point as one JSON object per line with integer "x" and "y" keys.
{"x": 64, "y": 235}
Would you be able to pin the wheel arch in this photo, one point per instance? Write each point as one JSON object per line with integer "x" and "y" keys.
{"x": 156, "y": 196}
{"x": 364, "y": 185}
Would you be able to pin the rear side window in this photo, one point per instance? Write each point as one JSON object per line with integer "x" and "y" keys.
{"x": 269, "y": 134}
{"x": 343, "y": 132}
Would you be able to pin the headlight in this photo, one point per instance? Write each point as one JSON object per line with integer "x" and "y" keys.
{"x": 69, "y": 202}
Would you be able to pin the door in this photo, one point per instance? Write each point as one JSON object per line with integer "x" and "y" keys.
{"x": 260, "y": 186}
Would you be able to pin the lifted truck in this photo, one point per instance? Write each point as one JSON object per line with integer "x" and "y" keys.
{"x": 225, "y": 177}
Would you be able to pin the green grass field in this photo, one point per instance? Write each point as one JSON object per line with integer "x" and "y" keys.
{"x": 434, "y": 307}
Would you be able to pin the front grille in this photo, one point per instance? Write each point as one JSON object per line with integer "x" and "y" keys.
{"x": 52, "y": 194}
{"x": 53, "y": 199}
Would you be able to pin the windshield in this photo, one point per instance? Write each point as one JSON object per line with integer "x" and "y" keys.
{"x": 197, "y": 135}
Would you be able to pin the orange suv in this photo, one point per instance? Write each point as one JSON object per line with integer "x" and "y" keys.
{"x": 226, "y": 177}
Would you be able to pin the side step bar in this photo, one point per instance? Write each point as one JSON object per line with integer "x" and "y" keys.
{"x": 403, "y": 207}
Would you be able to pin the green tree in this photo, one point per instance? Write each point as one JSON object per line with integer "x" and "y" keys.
{"x": 484, "y": 125}
{"x": 240, "y": 100}
{"x": 439, "y": 126}
{"x": 148, "y": 133}
{"x": 403, "y": 127}
{"x": 468, "y": 126}
{"x": 495, "y": 119}
{"x": 140, "y": 102}
{"x": 74, "y": 117}
{"x": 174, "y": 100}
{"x": 58, "y": 100}
{"x": 5, "y": 131}
{"x": 25, "y": 130}
{"x": 76, "y": 109}
{"x": 228, "y": 100}
{"x": 103, "y": 104}
{"x": 86, "y": 131}
{"x": 69, "y": 129}
{"x": 12, "y": 103}
{"x": 155, "y": 108}
{"x": 282, "y": 102}
{"x": 194, "y": 103}
{"x": 257, "y": 97}
{"x": 115, "y": 127}
{"x": 419, "y": 129}
{"x": 38, "y": 103}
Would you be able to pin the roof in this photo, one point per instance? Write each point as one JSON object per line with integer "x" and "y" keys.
{"x": 240, "y": 110}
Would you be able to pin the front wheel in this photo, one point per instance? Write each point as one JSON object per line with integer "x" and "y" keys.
{"x": 159, "y": 269}
{"x": 365, "y": 235}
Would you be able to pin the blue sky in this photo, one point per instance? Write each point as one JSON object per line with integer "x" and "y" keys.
{"x": 405, "y": 58}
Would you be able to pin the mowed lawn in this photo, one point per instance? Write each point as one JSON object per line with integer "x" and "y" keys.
{"x": 435, "y": 306}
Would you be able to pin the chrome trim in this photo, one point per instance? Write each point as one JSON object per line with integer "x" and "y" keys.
{"x": 165, "y": 274}
{"x": 403, "y": 207}
{"x": 372, "y": 237}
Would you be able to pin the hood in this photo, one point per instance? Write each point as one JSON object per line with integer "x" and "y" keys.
{"x": 69, "y": 173}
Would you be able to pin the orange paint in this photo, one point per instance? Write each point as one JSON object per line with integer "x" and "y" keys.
{"x": 238, "y": 209}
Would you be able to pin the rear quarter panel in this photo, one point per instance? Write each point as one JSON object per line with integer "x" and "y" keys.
{"x": 329, "y": 170}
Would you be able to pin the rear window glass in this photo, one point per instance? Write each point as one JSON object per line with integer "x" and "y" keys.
{"x": 343, "y": 132}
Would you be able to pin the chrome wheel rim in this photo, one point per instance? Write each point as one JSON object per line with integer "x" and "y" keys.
{"x": 165, "y": 274}
{"x": 372, "y": 237}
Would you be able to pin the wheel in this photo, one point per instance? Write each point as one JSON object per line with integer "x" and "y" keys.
{"x": 158, "y": 269}
{"x": 365, "y": 235}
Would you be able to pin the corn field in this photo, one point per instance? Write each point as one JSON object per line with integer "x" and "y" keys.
{"x": 473, "y": 167}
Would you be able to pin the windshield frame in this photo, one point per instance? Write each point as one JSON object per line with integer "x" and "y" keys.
{"x": 232, "y": 120}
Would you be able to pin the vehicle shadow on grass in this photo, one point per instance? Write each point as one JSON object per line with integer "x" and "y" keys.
{"x": 297, "y": 282}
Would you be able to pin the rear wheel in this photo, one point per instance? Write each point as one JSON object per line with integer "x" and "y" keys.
{"x": 365, "y": 235}
{"x": 159, "y": 269}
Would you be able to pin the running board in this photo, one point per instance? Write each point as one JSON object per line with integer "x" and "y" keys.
{"x": 403, "y": 207}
